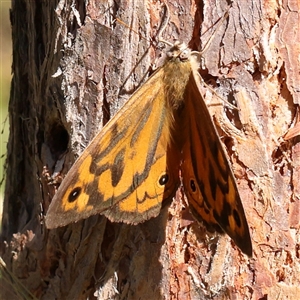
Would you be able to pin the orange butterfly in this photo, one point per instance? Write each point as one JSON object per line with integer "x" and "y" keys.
{"x": 133, "y": 164}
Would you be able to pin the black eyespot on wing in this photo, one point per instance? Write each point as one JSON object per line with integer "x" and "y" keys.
{"x": 74, "y": 194}
{"x": 193, "y": 185}
{"x": 163, "y": 180}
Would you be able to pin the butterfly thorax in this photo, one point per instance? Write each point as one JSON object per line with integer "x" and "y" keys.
{"x": 177, "y": 71}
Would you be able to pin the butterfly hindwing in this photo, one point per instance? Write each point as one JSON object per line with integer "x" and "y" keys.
{"x": 123, "y": 173}
{"x": 208, "y": 181}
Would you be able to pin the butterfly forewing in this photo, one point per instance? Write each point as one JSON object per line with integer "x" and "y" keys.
{"x": 207, "y": 177}
{"x": 123, "y": 173}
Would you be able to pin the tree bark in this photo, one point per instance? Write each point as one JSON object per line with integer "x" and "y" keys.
{"x": 74, "y": 66}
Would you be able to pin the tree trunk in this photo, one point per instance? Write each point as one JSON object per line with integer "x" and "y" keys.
{"x": 74, "y": 66}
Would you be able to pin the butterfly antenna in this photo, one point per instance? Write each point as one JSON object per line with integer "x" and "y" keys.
{"x": 142, "y": 57}
{"x": 163, "y": 25}
{"x": 199, "y": 53}
{"x": 228, "y": 104}
{"x": 126, "y": 25}
{"x": 219, "y": 23}
{"x": 165, "y": 21}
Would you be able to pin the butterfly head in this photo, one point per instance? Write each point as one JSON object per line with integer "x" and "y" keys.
{"x": 179, "y": 52}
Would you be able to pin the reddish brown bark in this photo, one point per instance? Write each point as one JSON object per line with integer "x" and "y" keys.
{"x": 74, "y": 67}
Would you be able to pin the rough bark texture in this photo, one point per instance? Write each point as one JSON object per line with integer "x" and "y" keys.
{"x": 74, "y": 67}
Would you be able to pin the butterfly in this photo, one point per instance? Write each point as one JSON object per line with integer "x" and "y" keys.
{"x": 133, "y": 164}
